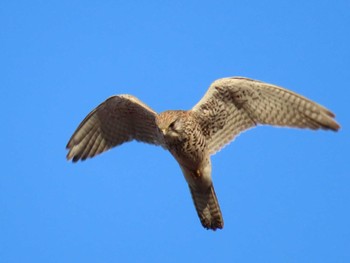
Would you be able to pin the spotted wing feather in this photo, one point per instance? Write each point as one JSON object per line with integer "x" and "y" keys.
{"x": 233, "y": 105}
{"x": 119, "y": 119}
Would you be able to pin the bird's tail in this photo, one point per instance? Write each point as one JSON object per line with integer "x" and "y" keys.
{"x": 207, "y": 207}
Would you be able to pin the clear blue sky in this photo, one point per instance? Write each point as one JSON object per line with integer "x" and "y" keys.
{"x": 284, "y": 193}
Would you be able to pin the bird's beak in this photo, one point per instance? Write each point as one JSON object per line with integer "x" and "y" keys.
{"x": 164, "y": 131}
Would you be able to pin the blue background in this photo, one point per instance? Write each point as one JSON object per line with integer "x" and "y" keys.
{"x": 284, "y": 193}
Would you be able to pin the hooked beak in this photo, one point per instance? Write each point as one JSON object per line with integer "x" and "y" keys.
{"x": 164, "y": 131}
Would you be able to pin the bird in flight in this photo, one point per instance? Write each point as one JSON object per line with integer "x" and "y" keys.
{"x": 229, "y": 107}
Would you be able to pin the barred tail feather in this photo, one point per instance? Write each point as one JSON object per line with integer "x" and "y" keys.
{"x": 208, "y": 208}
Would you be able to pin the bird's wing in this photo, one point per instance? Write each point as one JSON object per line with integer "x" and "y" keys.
{"x": 117, "y": 120}
{"x": 232, "y": 105}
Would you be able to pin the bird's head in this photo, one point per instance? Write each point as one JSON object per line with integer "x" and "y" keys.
{"x": 171, "y": 124}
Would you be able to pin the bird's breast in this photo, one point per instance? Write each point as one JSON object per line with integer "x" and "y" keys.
{"x": 189, "y": 152}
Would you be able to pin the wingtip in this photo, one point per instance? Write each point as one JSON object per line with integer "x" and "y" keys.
{"x": 336, "y": 127}
{"x": 68, "y": 157}
{"x": 331, "y": 123}
{"x": 71, "y": 157}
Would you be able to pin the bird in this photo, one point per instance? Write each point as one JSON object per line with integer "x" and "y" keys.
{"x": 229, "y": 107}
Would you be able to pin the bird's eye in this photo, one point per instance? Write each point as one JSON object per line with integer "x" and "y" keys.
{"x": 171, "y": 126}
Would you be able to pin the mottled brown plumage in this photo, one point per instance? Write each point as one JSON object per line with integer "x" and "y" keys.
{"x": 230, "y": 106}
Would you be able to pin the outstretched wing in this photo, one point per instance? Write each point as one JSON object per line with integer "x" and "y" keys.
{"x": 119, "y": 119}
{"x": 232, "y": 105}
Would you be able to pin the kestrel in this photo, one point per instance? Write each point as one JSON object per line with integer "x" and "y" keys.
{"x": 230, "y": 106}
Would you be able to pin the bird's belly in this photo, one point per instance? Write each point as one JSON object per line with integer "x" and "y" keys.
{"x": 191, "y": 160}
{"x": 196, "y": 169}
{"x": 200, "y": 177}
